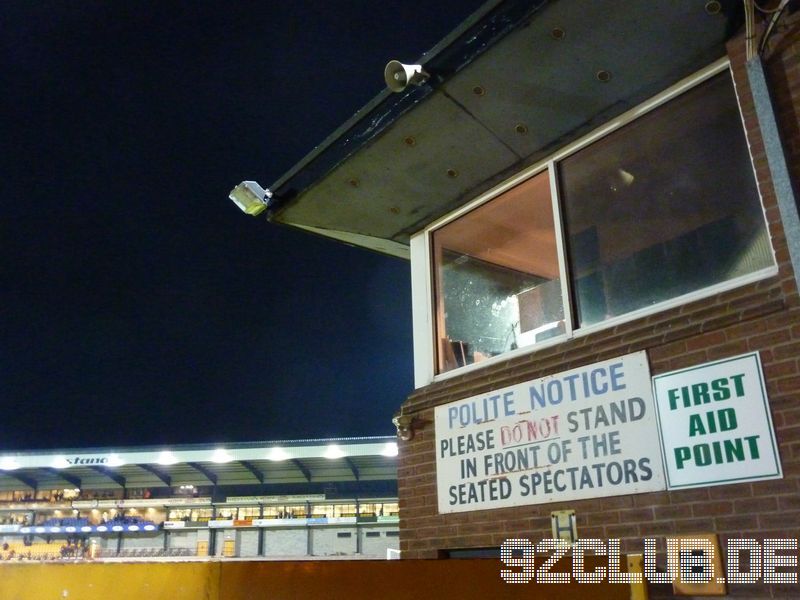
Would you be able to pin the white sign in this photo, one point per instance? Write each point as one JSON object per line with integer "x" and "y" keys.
{"x": 585, "y": 433}
{"x": 201, "y": 501}
{"x": 341, "y": 520}
{"x": 279, "y": 522}
{"x": 174, "y": 524}
{"x": 297, "y": 498}
{"x": 715, "y": 424}
{"x": 218, "y": 523}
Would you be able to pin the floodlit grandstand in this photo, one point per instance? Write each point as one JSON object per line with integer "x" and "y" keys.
{"x": 298, "y": 499}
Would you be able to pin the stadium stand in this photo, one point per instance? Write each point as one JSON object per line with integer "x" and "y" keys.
{"x": 334, "y": 498}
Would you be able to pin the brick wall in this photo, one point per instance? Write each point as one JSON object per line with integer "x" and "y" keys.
{"x": 762, "y": 317}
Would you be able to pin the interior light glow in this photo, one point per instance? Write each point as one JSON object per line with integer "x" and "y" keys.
{"x": 390, "y": 450}
{"x": 60, "y": 463}
{"x": 333, "y": 451}
{"x": 277, "y": 454}
{"x": 221, "y": 456}
{"x": 166, "y": 458}
{"x": 8, "y": 463}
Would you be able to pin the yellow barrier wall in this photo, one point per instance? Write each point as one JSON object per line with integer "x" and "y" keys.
{"x": 110, "y": 581}
{"x": 279, "y": 580}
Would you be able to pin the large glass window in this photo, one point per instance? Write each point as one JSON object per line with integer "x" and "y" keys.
{"x": 665, "y": 206}
{"x": 297, "y": 511}
{"x": 497, "y": 277}
{"x": 662, "y": 207}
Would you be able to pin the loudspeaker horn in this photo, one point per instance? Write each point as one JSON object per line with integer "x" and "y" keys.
{"x": 398, "y": 76}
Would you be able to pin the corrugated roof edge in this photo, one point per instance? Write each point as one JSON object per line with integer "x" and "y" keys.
{"x": 212, "y": 446}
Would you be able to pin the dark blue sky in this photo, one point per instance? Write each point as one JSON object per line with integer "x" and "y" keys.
{"x": 137, "y": 304}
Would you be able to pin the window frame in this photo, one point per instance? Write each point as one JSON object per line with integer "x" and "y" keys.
{"x": 423, "y": 270}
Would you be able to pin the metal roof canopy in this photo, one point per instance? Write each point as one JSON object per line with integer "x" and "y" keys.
{"x": 251, "y": 463}
{"x": 506, "y": 90}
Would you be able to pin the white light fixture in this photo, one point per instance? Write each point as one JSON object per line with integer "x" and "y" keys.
{"x": 390, "y": 450}
{"x": 8, "y": 463}
{"x": 60, "y": 463}
{"x": 166, "y": 458}
{"x": 277, "y": 454}
{"x": 99, "y": 528}
{"x": 86, "y": 528}
{"x": 333, "y": 451}
{"x": 250, "y": 197}
{"x": 221, "y": 456}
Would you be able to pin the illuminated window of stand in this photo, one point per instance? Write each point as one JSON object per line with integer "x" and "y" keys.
{"x": 497, "y": 277}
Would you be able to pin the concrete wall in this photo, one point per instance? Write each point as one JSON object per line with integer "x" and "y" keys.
{"x": 247, "y": 542}
{"x": 763, "y": 317}
{"x": 286, "y": 542}
{"x": 376, "y": 545}
{"x": 278, "y": 542}
{"x": 333, "y": 541}
{"x": 183, "y": 539}
{"x": 154, "y": 540}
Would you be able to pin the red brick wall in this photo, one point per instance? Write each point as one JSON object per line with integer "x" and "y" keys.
{"x": 762, "y": 317}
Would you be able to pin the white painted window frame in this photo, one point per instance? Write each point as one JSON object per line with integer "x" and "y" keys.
{"x": 422, "y": 300}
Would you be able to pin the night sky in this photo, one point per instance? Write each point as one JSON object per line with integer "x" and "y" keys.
{"x": 138, "y": 305}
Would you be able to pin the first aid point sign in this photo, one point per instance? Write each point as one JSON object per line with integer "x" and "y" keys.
{"x": 715, "y": 424}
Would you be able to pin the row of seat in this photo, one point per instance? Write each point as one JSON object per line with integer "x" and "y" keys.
{"x": 35, "y": 551}
{"x": 146, "y": 552}
{"x": 66, "y": 522}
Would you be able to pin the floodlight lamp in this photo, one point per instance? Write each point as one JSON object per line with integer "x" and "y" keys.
{"x": 390, "y": 450}
{"x": 333, "y": 452}
{"x": 278, "y": 454}
{"x": 60, "y": 463}
{"x": 166, "y": 458}
{"x": 8, "y": 463}
{"x": 250, "y": 197}
{"x": 221, "y": 456}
